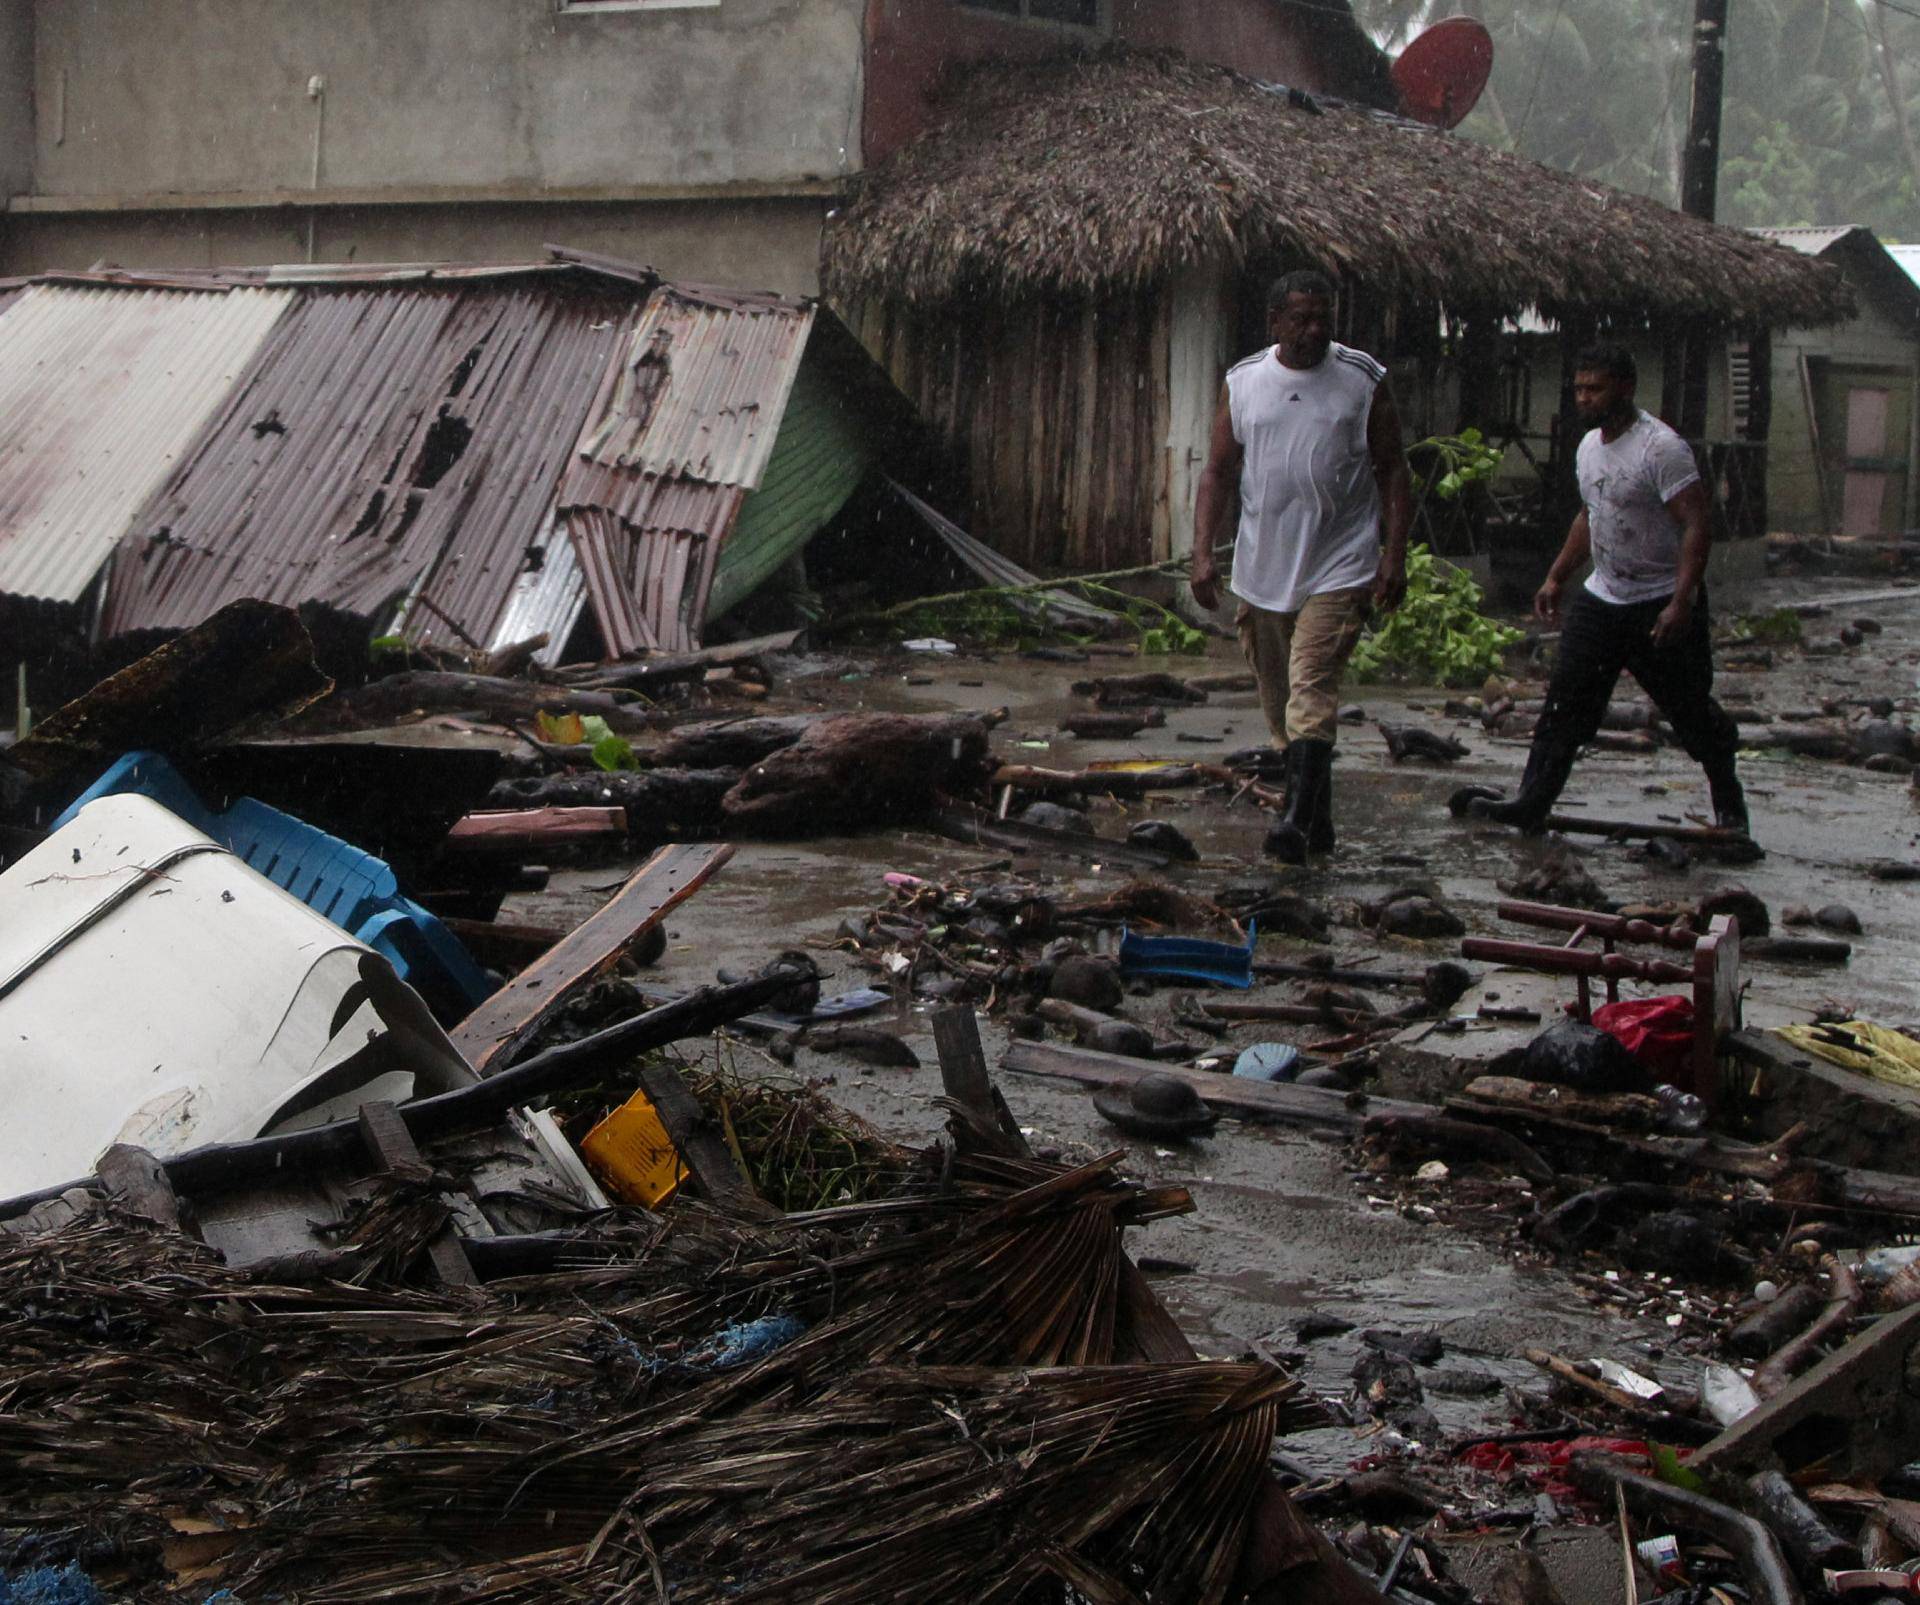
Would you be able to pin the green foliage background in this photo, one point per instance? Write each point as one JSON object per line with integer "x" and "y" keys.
{"x": 1821, "y": 111}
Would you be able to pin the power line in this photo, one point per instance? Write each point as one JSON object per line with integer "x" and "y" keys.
{"x": 1895, "y": 6}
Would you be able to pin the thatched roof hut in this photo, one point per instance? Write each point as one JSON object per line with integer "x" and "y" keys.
{"x": 1112, "y": 172}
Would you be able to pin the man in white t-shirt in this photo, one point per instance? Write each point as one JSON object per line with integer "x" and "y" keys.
{"x": 1308, "y": 431}
{"x": 1643, "y": 525}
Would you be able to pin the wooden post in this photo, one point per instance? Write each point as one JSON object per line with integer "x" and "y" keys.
{"x": 392, "y": 1147}
{"x": 981, "y": 1118}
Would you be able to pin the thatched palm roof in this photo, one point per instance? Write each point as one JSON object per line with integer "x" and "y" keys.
{"x": 1112, "y": 171}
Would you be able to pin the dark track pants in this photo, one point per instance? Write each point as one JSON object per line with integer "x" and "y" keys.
{"x": 1597, "y": 641}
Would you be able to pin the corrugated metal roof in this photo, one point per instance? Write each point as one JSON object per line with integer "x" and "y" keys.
{"x": 389, "y": 442}
{"x": 100, "y": 393}
{"x": 1809, "y": 241}
{"x": 422, "y": 437}
{"x": 682, "y": 428}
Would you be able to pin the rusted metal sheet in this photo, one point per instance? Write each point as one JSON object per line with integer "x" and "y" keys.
{"x": 393, "y": 442}
{"x": 101, "y": 392}
{"x": 680, "y": 431}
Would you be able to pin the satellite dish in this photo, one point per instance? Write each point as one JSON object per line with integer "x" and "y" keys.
{"x": 1442, "y": 73}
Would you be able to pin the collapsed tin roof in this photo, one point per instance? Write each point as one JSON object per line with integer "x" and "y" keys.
{"x": 477, "y": 452}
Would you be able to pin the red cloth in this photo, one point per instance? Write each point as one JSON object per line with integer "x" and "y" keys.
{"x": 1658, "y": 1032}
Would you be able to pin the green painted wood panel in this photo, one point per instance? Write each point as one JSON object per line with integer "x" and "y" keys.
{"x": 820, "y": 456}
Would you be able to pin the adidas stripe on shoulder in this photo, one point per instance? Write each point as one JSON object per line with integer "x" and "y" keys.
{"x": 1247, "y": 362}
{"x": 1359, "y": 359}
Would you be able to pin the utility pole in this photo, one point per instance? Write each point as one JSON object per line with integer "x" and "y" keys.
{"x": 1700, "y": 188}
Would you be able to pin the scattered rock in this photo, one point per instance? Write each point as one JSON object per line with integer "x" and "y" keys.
{"x": 1873, "y": 736}
{"x": 1420, "y": 917}
{"x": 1122, "y": 1037}
{"x": 1891, "y": 869}
{"x": 1353, "y": 713}
{"x": 1824, "y": 649}
{"x": 1867, "y": 626}
{"x": 1888, "y": 763}
{"x": 1162, "y": 837}
{"x": 1671, "y": 1237}
{"x": 1461, "y": 1382}
{"x": 1849, "y": 636}
{"x": 1056, "y": 816}
{"x": 1880, "y": 707}
{"x": 1838, "y": 917}
{"x": 1423, "y": 1348}
{"x": 1557, "y": 875}
{"x": 1796, "y": 914}
{"x": 1320, "y": 1325}
{"x": 867, "y": 1043}
{"x": 1741, "y": 904}
{"x": 1323, "y": 1076}
{"x": 1090, "y": 982}
{"x": 1663, "y": 852}
{"x": 1445, "y": 984}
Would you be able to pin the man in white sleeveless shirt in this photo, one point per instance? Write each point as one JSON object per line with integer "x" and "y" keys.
{"x": 1308, "y": 430}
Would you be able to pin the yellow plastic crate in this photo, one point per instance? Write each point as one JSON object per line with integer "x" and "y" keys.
{"x": 633, "y": 1156}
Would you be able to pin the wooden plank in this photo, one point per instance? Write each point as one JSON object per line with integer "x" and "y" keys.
{"x": 510, "y": 829}
{"x": 490, "y": 1036}
{"x": 1268, "y": 1100}
{"x": 987, "y": 1121}
{"x": 392, "y": 1147}
{"x": 702, "y": 1144}
{"x": 663, "y": 667}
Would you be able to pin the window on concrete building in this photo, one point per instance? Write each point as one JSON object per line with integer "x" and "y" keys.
{"x": 1072, "y": 13}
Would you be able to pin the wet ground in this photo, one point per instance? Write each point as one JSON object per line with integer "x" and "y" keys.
{"x": 1285, "y": 1225}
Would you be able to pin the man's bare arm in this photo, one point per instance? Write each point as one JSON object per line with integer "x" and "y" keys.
{"x": 1573, "y": 557}
{"x": 1386, "y": 448}
{"x": 1218, "y": 482}
{"x": 1690, "y": 509}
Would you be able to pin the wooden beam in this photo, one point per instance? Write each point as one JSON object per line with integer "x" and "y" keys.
{"x": 494, "y": 1032}
{"x": 513, "y": 830}
{"x": 702, "y": 1144}
{"x": 1240, "y": 1095}
{"x": 982, "y": 1118}
{"x": 393, "y": 1149}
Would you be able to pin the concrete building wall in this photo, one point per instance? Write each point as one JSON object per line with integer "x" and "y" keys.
{"x": 16, "y": 95}
{"x": 206, "y": 96}
{"x": 764, "y": 244}
{"x": 704, "y": 138}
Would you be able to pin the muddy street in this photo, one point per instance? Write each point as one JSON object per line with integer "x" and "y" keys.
{"x": 1287, "y": 1226}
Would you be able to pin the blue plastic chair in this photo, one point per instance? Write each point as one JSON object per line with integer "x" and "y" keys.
{"x": 353, "y": 889}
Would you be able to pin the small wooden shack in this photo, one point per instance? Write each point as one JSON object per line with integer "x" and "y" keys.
{"x": 1061, "y": 269}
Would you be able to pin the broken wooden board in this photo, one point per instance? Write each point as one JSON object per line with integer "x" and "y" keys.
{"x": 1854, "y": 1411}
{"x": 247, "y": 666}
{"x": 1240, "y": 1095}
{"x": 512, "y": 830}
{"x": 492, "y": 1034}
{"x": 702, "y": 1144}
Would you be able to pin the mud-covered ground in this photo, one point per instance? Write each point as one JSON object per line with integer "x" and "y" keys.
{"x": 1286, "y": 1225}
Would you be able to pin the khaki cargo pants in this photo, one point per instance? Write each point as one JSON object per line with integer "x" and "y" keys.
{"x": 1299, "y": 658}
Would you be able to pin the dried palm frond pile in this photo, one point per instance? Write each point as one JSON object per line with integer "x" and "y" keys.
{"x": 908, "y": 1399}
{"x": 1109, "y": 173}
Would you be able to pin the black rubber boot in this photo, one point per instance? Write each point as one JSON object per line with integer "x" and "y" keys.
{"x": 1320, "y": 832}
{"x": 1730, "y": 813}
{"x": 1540, "y": 786}
{"x": 1291, "y": 839}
